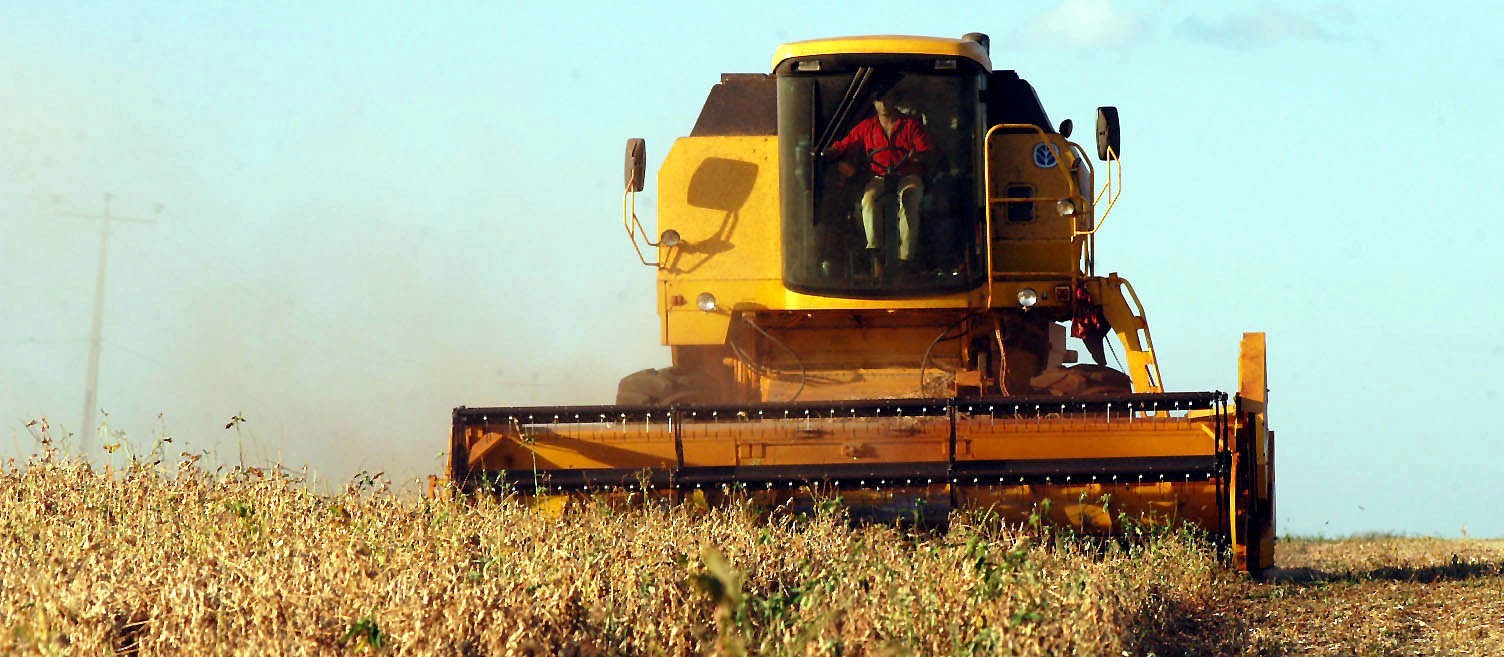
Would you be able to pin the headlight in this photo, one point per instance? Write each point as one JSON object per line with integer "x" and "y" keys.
{"x": 1027, "y": 297}
{"x": 670, "y": 238}
{"x": 1065, "y": 207}
{"x": 705, "y": 302}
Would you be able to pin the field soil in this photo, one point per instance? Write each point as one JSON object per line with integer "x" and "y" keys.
{"x": 156, "y": 558}
{"x": 1379, "y": 595}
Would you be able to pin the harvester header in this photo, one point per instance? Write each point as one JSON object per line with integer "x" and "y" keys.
{"x": 871, "y": 263}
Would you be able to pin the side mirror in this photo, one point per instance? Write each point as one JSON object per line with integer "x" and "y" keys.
{"x": 637, "y": 165}
{"x": 1109, "y": 138}
{"x": 1066, "y": 127}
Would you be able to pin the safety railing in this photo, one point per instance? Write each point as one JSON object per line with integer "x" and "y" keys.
{"x": 1073, "y": 192}
{"x": 1156, "y": 379}
{"x": 1109, "y": 191}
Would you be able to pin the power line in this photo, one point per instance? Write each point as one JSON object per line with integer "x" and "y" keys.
{"x": 91, "y": 382}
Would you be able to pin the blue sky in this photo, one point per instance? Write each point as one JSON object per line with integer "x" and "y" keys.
{"x": 374, "y": 214}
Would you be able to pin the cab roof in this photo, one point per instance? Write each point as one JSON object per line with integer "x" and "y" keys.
{"x": 884, "y": 44}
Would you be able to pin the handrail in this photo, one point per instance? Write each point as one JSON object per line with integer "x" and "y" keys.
{"x": 987, "y": 209}
{"x": 1111, "y": 191}
{"x": 1044, "y": 138}
{"x": 1144, "y": 326}
{"x": 1088, "y": 253}
{"x": 987, "y": 186}
{"x": 633, "y": 226}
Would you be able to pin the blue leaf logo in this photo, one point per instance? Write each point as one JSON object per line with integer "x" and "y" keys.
{"x": 1044, "y": 156}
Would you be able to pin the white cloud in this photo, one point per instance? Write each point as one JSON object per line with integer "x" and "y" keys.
{"x": 1085, "y": 24}
{"x": 1268, "y": 25}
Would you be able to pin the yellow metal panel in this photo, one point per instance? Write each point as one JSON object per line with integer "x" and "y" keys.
{"x": 795, "y": 301}
{"x": 1012, "y": 161}
{"x": 710, "y": 445}
{"x": 1068, "y": 445}
{"x": 928, "y": 442}
{"x": 1047, "y": 242}
{"x": 1055, "y": 257}
{"x": 578, "y": 446}
{"x": 1253, "y": 385}
{"x": 794, "y": 441}
{"x": 805, "y": 441}
{"x": 1253, "y": 392}
{"x": 884, "y": 44}
{"x": 985, "y": 439}
{"x": 686, "y": 324}
{"x": 721, "y": 195}
{"x": 928, "y": 448}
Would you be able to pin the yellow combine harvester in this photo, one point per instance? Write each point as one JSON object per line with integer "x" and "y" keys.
{"x": 869, "y": 263}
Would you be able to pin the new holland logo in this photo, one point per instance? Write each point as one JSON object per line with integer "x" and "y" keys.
{"x": 1044, "y": 156}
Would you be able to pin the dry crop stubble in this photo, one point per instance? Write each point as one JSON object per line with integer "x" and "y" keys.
{"x": 175, "y": 559}
{"x": 1383, "y": 595}
{"x": 157, "y": 559}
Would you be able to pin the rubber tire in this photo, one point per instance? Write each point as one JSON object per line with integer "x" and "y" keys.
{"x": 663, "y": 387}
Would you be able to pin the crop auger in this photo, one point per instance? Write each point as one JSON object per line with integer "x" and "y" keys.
{"x": 869, "y": 264}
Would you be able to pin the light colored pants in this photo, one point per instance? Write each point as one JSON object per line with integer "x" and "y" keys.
{"x": 910, "y": 191}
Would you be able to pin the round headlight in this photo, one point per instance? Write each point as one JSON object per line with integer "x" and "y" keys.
{"x": 670, "y": 238}
{"x": 1027, "y": 297}
{"x": 705, "y": 302}
{"x": 1065, "y": 207}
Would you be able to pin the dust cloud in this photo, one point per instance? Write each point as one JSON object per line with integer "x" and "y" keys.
{"x": 339, "y": 267}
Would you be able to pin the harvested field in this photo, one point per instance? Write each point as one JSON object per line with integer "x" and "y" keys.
{"x": 176, "y": 559}
{"x": 1382, "y": 596}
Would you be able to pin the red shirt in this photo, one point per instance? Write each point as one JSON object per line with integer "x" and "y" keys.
{"x": 908, "y": 140}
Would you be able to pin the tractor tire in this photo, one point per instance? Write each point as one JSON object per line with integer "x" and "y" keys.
{"x": 664, "y": 387}
{"x": 1086, "y": 379}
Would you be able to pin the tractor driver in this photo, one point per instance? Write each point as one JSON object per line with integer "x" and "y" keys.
{"x": 896, "y": 147}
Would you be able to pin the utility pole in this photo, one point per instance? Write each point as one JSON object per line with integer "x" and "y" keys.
{"x": 96, "y": 331}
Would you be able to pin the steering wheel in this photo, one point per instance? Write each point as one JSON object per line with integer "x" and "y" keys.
{"x": 891, "y": 169}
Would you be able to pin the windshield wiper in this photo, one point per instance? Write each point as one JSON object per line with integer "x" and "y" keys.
{"x": 843, "y": 109}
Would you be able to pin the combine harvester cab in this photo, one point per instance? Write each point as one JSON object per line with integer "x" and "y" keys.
{"x": 868, "y": 266}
